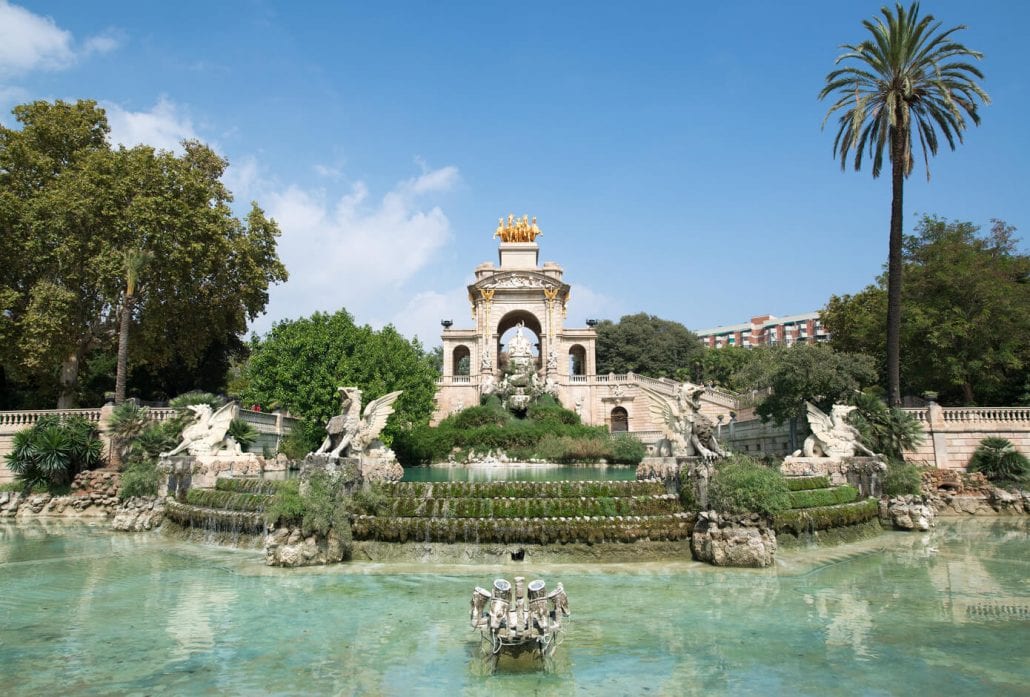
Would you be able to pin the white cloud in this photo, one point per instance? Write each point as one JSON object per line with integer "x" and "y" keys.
{"x": 244, "y": 177}
{"x": 163, "y": 126}
{"x": 33, "y": 42}
{"x": 349, "y": 251}
{"x": 421, "y": 315}
{"x": 101, "y": 43}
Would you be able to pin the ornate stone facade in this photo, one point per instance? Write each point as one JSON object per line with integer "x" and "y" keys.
{"x": 518, "y": 290}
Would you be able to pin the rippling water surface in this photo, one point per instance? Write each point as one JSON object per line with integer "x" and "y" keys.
{"x": 84, "y": 611}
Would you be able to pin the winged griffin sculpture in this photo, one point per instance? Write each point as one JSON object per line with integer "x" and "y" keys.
{"x": 832, "y": 436}
{"x": 687, "y": 431}
{"x": 208, "y": 434}
{"x": 351, "y": 433}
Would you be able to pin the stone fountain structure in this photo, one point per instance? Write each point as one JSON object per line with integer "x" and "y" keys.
{"x": 520, "y": 619}
{"x": 352, "y": 438}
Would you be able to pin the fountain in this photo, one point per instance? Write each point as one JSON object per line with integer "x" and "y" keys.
{"x": 513, "y": 622}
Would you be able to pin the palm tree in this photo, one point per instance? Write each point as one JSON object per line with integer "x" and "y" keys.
{"x": 910, "y": 76}
{"x": 135, "y": 260}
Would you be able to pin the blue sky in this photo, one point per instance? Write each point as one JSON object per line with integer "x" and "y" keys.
{"x": 671, "y": 152}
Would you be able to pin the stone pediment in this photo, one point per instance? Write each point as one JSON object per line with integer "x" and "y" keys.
{"x": 520, "y": 280}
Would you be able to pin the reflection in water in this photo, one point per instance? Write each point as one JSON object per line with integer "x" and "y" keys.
{"x": 86, "y": 612}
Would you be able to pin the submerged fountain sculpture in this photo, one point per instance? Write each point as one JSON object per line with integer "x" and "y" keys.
{"x": 513, "y": 622}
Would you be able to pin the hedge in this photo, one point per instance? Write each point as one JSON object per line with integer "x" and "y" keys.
{"x": 803, "y": 483}
{"x": 813, "y": 498}
{"x": 522, "y": 531}
{"x": 547, "y": 490}
{"x": 802, "y": 520}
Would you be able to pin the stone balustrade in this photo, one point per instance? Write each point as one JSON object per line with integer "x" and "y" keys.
{"x": 951, "y": 434}
{"x": 271, "y": 427}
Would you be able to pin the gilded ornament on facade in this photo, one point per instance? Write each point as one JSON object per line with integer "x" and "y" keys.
{"x": 517, "y": 229}
{"x": 487, "y": 293}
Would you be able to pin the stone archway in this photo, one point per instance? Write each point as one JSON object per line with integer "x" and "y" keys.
{"x": 461, "y": 360}
{"x": 577, "y": 360}
{"x": 619, "y": 420}
{"x": 509, "y": 322}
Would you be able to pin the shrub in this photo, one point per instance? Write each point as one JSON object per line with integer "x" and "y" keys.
{"x": 627, "y": 450}
{"x": 889, "y": 431}
{"x": 54, "y": 450}
{"x": 323, "y": 506}
{"x": 242, "y": 432}
{"x": 296, "y": 445}
{"x": 552, "y": 413}
{"x": 474, "y": 417}
{"x": 128, "y": 420}
{"x": 140, "y": 477}
{"x": 741, "y": 485}
{"x": 999, "y": 461}
{"x": 902, "y": 478}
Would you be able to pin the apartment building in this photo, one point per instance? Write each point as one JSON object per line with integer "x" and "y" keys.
{"x": 767, "y": 330}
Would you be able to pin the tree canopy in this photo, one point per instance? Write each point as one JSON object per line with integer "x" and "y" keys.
{"x": 72, "y": 207}
{"x": 807, "y": 373}
{"x": 908, "y": 76}
{"x": 646, "y": 345}
{"x": 967, "y": 329}
{"x": 300, "y": 364}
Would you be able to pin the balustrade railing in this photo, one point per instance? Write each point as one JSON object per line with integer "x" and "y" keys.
{"x": 24, "y": 419}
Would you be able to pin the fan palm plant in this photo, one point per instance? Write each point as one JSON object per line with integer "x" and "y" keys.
{"x": 909, "y": 77}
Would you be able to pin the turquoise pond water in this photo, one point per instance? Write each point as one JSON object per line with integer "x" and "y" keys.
{"x": 519, "y": 473}
{"x": 84, "y": 611}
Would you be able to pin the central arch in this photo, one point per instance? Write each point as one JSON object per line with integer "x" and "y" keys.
{"x": 509, "y": 321}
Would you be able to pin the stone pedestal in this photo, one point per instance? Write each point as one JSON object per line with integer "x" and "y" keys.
{"x": 863, "y": 473}
{"x": 728, "y": 540}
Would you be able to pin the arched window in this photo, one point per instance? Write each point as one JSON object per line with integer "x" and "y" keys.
{"x": 620, "y": 420}
{"x": 577, "y": 360}
{"x": 462, "y": 360}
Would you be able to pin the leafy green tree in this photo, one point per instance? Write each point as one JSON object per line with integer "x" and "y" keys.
{"x": 646, "y": 345}
{"x": 300, "y": 364}
{"x": 811, "y": 373}
{"x": 967, "y": 331}
{"x": 731, "y": 367}
{"x": 73, "y": 208}
{"x": 910, "y": 76}
{"x": 135, "y": 260}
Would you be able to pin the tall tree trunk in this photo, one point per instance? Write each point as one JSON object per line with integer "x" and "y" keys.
{"x": 894, "y": 264}
{"x": 123, "y": 350}
{"x": 69, "y": 381}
